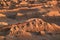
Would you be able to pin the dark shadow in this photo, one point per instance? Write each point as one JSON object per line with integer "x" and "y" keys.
{"x": 4, "y": 30}
{"x": 48, "y": 19}
{"x": 52, "y": 19}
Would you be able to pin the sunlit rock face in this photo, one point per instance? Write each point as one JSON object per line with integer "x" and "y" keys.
{"x": 34, "y": 27}
{"x": 53, "y": 13}
{"x": 10, "y": 3}
{"x": 38, "y": 21}
{"x": 3, "y": 23}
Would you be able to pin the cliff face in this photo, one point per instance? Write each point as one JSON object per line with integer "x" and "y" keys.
{"x": 34, "y": 22}
{"x": 31, "y": 28}
{"x": 16, "y": 3}
{"x": 35, "y": 25}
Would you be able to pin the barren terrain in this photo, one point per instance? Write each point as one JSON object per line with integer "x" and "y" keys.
{"x": 36, "y": 23}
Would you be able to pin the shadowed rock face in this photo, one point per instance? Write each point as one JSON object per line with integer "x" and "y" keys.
{"x": 16, "y": 3}
{"x": 31, "y": 28}
{"x": 35, "y": 25}
{"x": 43, "y": 25}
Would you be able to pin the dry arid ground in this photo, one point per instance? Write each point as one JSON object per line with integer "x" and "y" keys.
{"x": 36, "y": 23}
